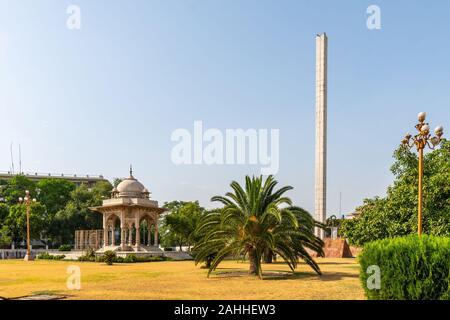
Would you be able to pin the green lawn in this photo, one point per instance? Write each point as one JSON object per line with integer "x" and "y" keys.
{"x": 181, "y": 280}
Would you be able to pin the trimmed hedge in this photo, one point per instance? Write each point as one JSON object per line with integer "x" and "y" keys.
{"x": 411, "y": 268}
{"x": 47, "y": 256}
{"x": 132, "y": 258}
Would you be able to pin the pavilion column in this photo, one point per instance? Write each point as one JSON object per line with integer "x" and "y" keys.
{"x": 138, "y": 230}
{"x": 113, "y": 241}
{"x": 122, "y": 236}
{"x": 105, "y": 231}
{"x": 76, "y": 239}
{"x": 149, "y": 234}
{"x": 156, "y": 233}
{"x": 122, "y": 230}
{"x": 138, "y": 237}
{"x": 111, "y": 235}
{"x": 130, "y": 236}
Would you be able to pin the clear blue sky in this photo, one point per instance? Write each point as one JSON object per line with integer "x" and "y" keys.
{"x": 97, "y": 99}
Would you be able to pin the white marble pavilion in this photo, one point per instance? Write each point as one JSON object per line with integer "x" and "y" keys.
{"x": 130, "y": 218}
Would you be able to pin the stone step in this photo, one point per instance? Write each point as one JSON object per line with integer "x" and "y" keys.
{"x": 150, "y": 248}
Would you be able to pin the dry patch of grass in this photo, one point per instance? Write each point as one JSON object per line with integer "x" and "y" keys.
{"x": 182, "y": 280}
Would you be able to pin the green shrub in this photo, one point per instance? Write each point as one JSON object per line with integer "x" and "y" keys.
{"x": 153, "y": 259}
{"x": 89, "y": 255}
{"x": 109, "y": 257}
{"x": 65, "y": 247}
{"x": 43, "y": 256}
{"x": 85, "y": 258}
{"x": 47, "y": 256}
{"x": 412, "y": 268}
{"x": 119, "y": 260}
{"x": 130, "y": 258}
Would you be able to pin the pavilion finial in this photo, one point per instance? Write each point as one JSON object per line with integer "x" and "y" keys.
{"x": 131, "y": 170}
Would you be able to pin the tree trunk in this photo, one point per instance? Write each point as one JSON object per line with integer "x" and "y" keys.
{"x": 208, "y": 262}
{"x": 255, "y": 262}
{"x": 251, "y": 258}
{"x": 268, "y": 256}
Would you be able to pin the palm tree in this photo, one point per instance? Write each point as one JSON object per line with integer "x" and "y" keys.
{"x": 255, "y": 220}
{"x": 206, "y": 249}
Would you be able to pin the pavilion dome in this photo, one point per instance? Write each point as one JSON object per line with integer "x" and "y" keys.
{"x": 131, "y": 188}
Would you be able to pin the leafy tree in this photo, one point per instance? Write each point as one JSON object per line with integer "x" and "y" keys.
{"x": 12, "y": 214}
{"x": 396, "y": 214}
{"x": 174, "y": 205}
{"x": 4, "y": 211}
{"x": 5, "y": 237}
{"x": 16, "y": 187}
{"x": 116, "y": 181}
{"x": 16, "y": 221}
{"x": 3, "y": 185}
{"x": 61, "y": 209}
{"x": 77, "y": 215}
{"x": 101, "y": 190}
{"x": 256, "y": 219}
{"x": 54, "y": 193}
{"x": 180, "y": 223}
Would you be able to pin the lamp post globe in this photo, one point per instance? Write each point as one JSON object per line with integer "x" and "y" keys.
{"x": 425, "y": 129}
{"x": 421, "y": 116}
{"x": 439, "y": 131}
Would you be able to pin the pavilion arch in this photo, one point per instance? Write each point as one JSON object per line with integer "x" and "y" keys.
{"x": 148, "y": 226}
{"x": 112, "y": 232}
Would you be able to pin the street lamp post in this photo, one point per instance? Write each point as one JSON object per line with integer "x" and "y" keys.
{"x": 27, "y": 201}
{"x": 421, "y": 140}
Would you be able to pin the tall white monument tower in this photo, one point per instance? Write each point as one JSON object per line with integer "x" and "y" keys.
{"x": 321, "y": 132}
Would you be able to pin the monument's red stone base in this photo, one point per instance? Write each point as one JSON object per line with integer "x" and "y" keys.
{"x": 355, "y": 250}
{"x": 336, "y": 248}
